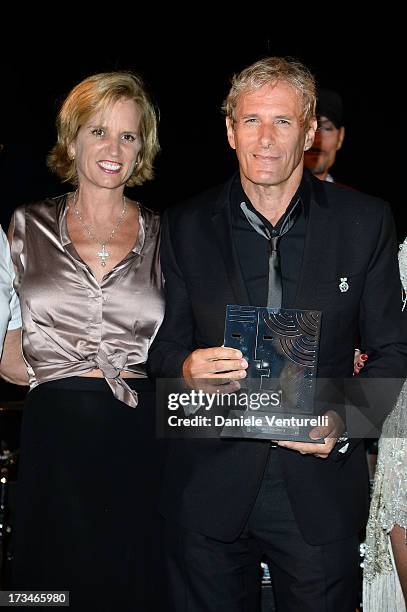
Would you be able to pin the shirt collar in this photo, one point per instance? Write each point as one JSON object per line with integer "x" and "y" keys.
{"x": 62, "y": 210}
{"x": 238, "y": 195}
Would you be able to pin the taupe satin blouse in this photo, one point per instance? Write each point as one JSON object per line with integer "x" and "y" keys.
{"x": 71, "y": 324}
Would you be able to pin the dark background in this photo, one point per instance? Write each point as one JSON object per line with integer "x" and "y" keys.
{"x": 188, "y": 69}
{"x": 188, "y": 72}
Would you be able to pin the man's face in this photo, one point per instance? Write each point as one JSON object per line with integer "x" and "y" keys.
{"x": 268, "y": 135}
{"x": 328, "y": 140}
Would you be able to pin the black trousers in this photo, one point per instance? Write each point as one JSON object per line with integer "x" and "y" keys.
{"x": 207, "y": 575}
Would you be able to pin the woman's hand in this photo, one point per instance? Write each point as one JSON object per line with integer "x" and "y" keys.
{"x": 359, "y": 361}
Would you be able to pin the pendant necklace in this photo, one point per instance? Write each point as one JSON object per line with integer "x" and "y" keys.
{"x": 103, "y": 253}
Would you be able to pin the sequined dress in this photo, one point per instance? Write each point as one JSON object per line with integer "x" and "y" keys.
{"x": 381, "y": 587}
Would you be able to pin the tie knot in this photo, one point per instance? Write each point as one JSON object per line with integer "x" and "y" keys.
{"x": 274, "y": 243}
{"x": 259, "y": 226}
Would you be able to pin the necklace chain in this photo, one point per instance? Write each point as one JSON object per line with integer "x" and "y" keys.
{"x": 103, "y": 254}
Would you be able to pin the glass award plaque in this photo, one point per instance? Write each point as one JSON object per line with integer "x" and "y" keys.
{"x": 276, "y": 399}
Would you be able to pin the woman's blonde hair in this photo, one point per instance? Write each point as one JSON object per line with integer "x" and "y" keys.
{"x": 92, "y": 95}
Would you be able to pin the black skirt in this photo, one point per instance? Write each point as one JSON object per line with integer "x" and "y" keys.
{"x": 86, "y": 517}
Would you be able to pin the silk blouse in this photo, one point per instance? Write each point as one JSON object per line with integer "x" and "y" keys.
{"x": 71, "y": 323}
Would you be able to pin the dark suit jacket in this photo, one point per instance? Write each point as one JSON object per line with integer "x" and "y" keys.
{"x": 211, "y": 485}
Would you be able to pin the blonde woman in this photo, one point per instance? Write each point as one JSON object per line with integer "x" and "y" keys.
{"x": 89, "y": 282}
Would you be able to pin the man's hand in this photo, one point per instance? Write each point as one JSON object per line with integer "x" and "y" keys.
{"x": 220, "y": 365}
{"x": 330, "y": 433}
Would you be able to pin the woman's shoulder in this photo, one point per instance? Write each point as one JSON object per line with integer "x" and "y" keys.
{"x": 148, "y": 212}
{"x": 39, "y": 207}
{"x": 150, "y": 217}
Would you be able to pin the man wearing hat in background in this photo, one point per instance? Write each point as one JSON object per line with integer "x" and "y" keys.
{"x": 329, "y": 136}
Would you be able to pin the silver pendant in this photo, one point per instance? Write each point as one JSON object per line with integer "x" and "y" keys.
{"x": 343, "y": 285}
{"x": 103, "y": 254}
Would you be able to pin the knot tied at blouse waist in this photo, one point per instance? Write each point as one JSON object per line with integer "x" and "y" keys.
{"x": 111, "y": 368}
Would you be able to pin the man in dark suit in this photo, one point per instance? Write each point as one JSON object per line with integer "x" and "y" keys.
{"x": 302, "y": 504}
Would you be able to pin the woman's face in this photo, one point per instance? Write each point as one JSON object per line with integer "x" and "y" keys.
{"x": 107, "y": 145}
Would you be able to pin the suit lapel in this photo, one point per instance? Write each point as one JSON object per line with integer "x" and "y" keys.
{"x": 317, "y": 232}
{"x": 222, "y": 225}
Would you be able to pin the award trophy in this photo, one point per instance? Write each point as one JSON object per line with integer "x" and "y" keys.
{"x": 276, "y": 399}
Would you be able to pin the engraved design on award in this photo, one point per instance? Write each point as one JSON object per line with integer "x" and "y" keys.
{"x": 281, "y": 347}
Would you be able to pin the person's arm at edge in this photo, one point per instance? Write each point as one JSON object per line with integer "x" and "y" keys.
{"x": 12, "y": 366}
